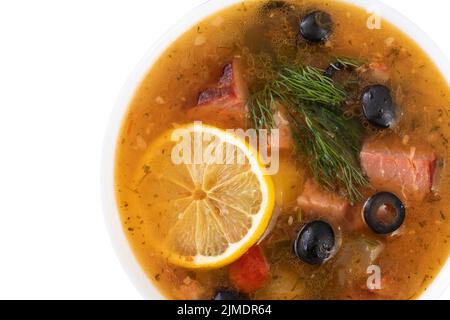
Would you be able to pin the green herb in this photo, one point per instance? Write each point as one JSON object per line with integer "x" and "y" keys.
{"x": 310, "y": 84}
{"x": 346, "y": 62}
{"x": 261, "y": 109}
{"x": 329, "y": 141}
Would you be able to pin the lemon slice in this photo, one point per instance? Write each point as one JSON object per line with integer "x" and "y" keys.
{"x": 205, "y": 212}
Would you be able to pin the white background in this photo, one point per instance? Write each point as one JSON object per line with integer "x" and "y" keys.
{"x": 62, "y": 65}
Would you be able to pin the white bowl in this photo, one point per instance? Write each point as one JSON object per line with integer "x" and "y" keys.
{"x": 110, "y": 206}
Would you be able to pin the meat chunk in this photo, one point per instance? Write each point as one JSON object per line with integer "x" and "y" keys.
{"x": 286, "y": 141}
{"x": 224, "y": 104}
{"x": 314, "y": 200}
{"x": 317, "y": 203}
{"x": 406, "y": 170}
{"x": 282, "y": 124}
{"x": 375, "y": 72}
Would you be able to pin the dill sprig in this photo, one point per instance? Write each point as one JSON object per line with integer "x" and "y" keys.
{"x": 310, "y": 84}
{"x": 329, "y": 142}
{"x": 347, "y": 62}
{"x": 261, "y": 107}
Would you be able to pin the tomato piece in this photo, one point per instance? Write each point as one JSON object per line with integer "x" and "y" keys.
{"x": 251, "y": 272}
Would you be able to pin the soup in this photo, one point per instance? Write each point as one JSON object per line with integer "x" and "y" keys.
{"x": 355, "y": 116}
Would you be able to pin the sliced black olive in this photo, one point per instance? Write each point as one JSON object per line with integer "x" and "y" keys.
{"x": 228, "y": 295}
{"x": 315, "y": 243}
{"x": 384, "y": 213}
{"x": 316, "y": 27}
{"x": 378, "y": 106}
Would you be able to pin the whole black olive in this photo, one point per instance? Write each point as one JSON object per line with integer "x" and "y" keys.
{"x": 378, "y": 106}
{"x": 315, "y": 243}
{"x": 384, "y": 213}
{"x": 228, "y": 295}
{"x": 316, "y": 27}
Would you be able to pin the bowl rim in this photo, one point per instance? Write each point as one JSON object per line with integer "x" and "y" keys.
{"x": 123, "y": 250}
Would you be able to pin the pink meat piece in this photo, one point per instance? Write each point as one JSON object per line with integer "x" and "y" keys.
{"x": 317, "y": 203}
{"x": 286, "y": 141}
{"x": 406, "y": 170}
{"x": 225, "y": 103}
{"x": 377, "y": 72}
{"x": 282, "y": 124}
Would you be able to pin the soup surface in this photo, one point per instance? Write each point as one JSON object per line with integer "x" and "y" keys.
{"x": 393, "y": 95}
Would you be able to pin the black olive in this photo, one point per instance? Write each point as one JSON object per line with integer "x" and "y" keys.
{"x": 316, "y": 26}
{"x": 228, "y": 295}
{"x": 315, "y": 243}
{"x": 384, "y": 213}
{"x": 378, "y": 106}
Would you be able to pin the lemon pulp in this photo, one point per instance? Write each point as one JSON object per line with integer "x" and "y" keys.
{"x": 207, "y": 213}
